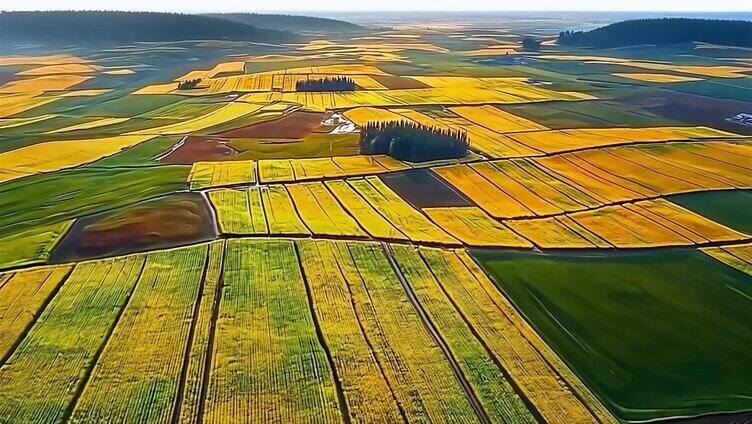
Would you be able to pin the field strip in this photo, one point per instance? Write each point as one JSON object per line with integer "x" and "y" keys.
{"x": 409, "y": 221}
{"x": 428, "y": 324}
{"x": 473, "y": 227}
{"x": 374, "y": 222}
{"x": 593, "y": 177}
{"x": 189, "y": 398}
{"x": 367, "y": 391}
{"x": 33, "y": 246}
{"x": 281, "y": 214}
{"x": 739, "y": 256}
{"x": 482, "y": 192}
{"x": 485, "y": 380}
{"x": 144, "y": 354}
{"x": 102, "y": 122}
{"x": 55, "y": 155}
{"x": 266, "y": 342}
{"x": 224, "y": 114}
{"x": 23, "y": 297}
{"x": 48, "y": 371}
{"x": 216, "y": 174}
{"x": 321, "y": 212}
{"x": 418, "y": 371}
{"x": 344, "y": 409}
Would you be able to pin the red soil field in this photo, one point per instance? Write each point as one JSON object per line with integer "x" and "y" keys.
{"x": 196, "y": 148}
{"x": 293, "y": 126}
{"x": 398, "y": 83}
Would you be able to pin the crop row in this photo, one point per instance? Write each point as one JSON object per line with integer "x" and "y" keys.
{"x": 365, "y": 208}
{"x": 261, "y": 330}
{"x": 355, "y": 208}
{"x": 577, "y": 181}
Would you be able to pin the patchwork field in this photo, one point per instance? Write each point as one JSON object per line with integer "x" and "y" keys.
{"x": 208, "y": 231}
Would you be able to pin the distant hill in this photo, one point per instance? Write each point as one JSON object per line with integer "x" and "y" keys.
{"x": 292, "y": 23}
{"x": 662, "y": 31}
{"x": 100, "y": 26}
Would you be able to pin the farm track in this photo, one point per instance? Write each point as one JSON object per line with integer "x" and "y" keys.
{"x": 583, "y": 250}
{"x": 474, "y": 402}
{"x": 206, "y": 371}
{"x": 530, "y": 406}
{"x": 177, "y": 406}
{"x": 322, "y": 341}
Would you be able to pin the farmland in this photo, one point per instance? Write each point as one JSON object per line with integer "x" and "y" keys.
{"x": 189, "y": 233}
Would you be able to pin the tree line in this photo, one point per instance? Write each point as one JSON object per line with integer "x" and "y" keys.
{"x": 662, "y": 31}
{"x": 326, "y": 84}
{"x": 106, "y": 26}
{"x": 412, "y": 142}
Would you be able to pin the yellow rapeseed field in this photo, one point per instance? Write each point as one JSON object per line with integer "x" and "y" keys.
{"x": 55, "y": 155}
{"x": 22, "y": 294}
{"x": 367, "y": 391}
{"x": 224, "y": 114}
{"x": 224, "y": 67}
{"x": 496, "y": 119}
{"x": 659, "y": 78}
{"x": 474, "y": 227}
{"x": 101, "y": 288}
{"x": 549, "y": 233}
{"x": 363, "y": 115}
{"x": 266, "y": 342}
{"x": 482, "y": 192}
{"x": 420, "y": 376}
{"x": 492, "y": 388}
{"x": 147, "y": 343}
{"x": 71, "y": 68}
{"x": 321, "y": 212}
{"x": 103, "y": 122}
{"x": 370, "y": 219}
{"x": 18, "y": 122}
{"x": 42, "y": 84}
{"x": 280, "y": 212}
{"x": 408, "y": 220}
{"x": 737, "y": 256}
{"x": 216, "y": 174}
{"x": 16, "y": 103}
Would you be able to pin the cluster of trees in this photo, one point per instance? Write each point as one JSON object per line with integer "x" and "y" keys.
{"x": 530, "y": 44}
{"x": 662, "y": 31}
{"x": 188, "y": 84}
{"x": 326, "y": 84}
{"x": 412, "y": 142}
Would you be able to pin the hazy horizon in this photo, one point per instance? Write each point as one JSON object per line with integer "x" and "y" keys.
{"x": 346, "y": 6}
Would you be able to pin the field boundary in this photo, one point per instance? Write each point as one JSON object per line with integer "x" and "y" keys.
{"x": 472, "y": 398}
{"x": 343, "y": 408}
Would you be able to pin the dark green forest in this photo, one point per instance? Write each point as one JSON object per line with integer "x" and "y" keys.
{"x": 294, "y": 23}
{"x": 412, "y": 142}
{"x": 101, "y": 26}
{"x": 326, "y": 84}
{"x": 662, "y": 31}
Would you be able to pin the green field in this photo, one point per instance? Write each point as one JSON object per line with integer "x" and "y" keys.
{"x": 635, "y": 327}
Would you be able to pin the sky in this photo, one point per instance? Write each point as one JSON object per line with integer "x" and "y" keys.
{"x": 378, "y": 5}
